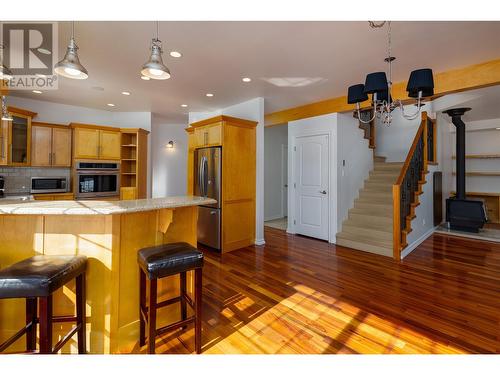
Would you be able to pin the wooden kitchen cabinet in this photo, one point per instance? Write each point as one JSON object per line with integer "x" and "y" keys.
{"x": 61, "y": 146}
{"x": 19, "y": 137}
{"x": 207, "y": 136}
{"x": 4, "y": 142}
{"x": 110, "y": 142}
{"x": 134, "y": 164}
{"x": 237, "y": 139}
{"x": 50, "y": 145}
{"x": 96, "y": 142}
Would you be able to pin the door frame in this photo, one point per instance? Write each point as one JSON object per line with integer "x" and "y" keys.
{"x": 284, "y": 192}
{"x": 315, "y": 126}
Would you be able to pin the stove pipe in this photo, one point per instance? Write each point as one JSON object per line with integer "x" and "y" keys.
{"x": 456, "y": 118}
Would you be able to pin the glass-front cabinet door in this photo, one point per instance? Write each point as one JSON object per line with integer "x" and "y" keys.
{"x": 20, "y": 139}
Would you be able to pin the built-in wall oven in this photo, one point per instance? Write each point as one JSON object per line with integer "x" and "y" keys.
{"x": 96, "y": 179}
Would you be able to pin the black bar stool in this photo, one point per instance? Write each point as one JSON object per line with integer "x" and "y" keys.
{"x": 36, "y": 279}
{"x": 162, "y": 261}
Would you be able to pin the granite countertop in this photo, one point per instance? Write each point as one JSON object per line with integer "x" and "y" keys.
{"x": 94, "y": 207}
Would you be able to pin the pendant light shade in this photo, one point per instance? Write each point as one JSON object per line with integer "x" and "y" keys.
{"x": 384, "y": 95}
{"x": 356, "y": 94}
{"x": 5, "y": 113}
{"x": 420, "y": 80}
{"x": 154, "y": 67}
{"x": 375, "y": 82}
{"x": 70, "y": 66}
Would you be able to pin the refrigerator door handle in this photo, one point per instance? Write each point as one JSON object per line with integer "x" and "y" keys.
{"x": 200, "y": 178}
{"x": 205, "y": 176}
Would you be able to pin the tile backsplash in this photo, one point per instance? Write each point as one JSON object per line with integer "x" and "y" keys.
{"x": 18, "y": 180}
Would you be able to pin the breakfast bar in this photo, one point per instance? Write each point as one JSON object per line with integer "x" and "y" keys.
{"x": 109, "y": 233}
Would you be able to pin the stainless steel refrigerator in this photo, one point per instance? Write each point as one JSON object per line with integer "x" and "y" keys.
{"x": 207, "y": 183}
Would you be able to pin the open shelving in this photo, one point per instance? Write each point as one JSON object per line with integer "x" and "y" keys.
{"x": 133, "y": 163}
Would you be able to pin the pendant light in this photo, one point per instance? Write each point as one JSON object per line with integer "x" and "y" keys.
{"x": 154, "y": 67}
{"x": 5, "y": 113}
{"x": 70, "y": 66}
{"x": 379, "y": 86}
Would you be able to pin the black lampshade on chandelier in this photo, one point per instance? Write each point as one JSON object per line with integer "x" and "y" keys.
{"x": 420, "y": 85}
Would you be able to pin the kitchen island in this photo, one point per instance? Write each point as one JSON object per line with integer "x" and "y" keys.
{"x": 109, "y": 233}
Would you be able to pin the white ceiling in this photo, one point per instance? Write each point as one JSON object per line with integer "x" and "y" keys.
{"x": 313, "y": 60}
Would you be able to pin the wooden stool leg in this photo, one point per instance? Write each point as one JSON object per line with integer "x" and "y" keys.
{"x": 46, "y": 325}
{"x": 80, "y": 313}
{"x": 183, "y": 288}
{"x": 31, "y": 316}
{"x": 152, "y": 316}
{"x": 198, "y": 286}
{"x": 142, "y": 307}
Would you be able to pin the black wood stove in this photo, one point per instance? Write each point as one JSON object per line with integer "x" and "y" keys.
{"x": 461, "y": 213}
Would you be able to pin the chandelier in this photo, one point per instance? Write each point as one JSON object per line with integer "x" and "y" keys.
{"x": 420, "y": 85}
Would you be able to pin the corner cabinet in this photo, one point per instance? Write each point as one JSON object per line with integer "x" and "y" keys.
{"x": 96, "y": 142}
{"x": 50, "y": 145}
{"x": 237, "y": 138}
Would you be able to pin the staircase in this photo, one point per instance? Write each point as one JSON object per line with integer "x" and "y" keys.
{"x": 369, "y": 226}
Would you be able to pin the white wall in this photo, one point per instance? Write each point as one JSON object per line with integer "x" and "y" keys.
{"x": 395, "y": 140}
{"x": 354, "y": 149}
{"x": 64, "y": 114}
{"x": 250, "y": 110}
{"x": 169, "y": 164}
{"x": 275, "y": 137}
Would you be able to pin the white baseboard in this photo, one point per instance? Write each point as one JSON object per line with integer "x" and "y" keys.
{"x": 274, "y": 217}
{"x": 260, "y": 242}
{"x": 415, "y": 244}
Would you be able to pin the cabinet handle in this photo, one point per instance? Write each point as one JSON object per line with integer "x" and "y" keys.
{"x": 53, "y": 161}
{"x": 3, "y": 147}
{"x": 50, "y": 158}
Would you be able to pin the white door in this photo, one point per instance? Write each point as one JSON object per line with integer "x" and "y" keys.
{"x": 284, "y": 180}
{"x": 311, "y": 186}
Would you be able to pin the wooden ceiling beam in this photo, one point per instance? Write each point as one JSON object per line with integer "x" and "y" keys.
{"x": 456, "y": 80}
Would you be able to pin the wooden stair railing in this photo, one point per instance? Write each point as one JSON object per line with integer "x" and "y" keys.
{"x": 408, "y": 187}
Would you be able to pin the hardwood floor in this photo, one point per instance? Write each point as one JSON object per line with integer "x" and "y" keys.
{"x": 299, "y": 295}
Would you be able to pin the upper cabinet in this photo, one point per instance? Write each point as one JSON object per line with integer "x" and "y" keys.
{"x": 94, "y": 142}
{"x": 50, "y": 145}
{"x": 15, "y": 138}
{"x": 208, "y": 135}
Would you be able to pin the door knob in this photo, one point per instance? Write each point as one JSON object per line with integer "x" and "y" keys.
{"x": 322, "y": 192}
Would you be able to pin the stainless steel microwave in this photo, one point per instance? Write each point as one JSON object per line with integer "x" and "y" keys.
{"x": 49, "y": 185}
{"x": 97, "y": 179}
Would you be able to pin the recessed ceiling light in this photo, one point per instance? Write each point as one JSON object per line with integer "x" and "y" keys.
{"x": 246, "y": 79}
{"x": 498, "y": 128}
{"x": 145, "y": 78}
{"x": 184, "y": 105}
{"x": 175, "y": 54}
{"x": 40, "y": 75}
{"x": 209, "y": 94}
{"x": 125, "y": 93}
{"x": 111, "y": 105}
{"x": 37, "y": 91}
